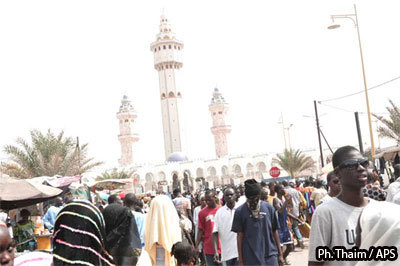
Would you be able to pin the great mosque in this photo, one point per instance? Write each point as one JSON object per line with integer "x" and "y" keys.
{"x": 179, "y": 171}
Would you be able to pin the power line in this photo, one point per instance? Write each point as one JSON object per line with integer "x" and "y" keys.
{"x": 339, "y": 108}
{"x": 348, "y": 111}
{"x": 355, "y": 93}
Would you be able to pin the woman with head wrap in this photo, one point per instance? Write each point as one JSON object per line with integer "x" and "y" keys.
{"x": 23, "y": 231}
{"x": 162, "y": 231}
{"x": 379, "y": 226}
{"x": 122, "y": 235}
{"x": 79, "y": 236}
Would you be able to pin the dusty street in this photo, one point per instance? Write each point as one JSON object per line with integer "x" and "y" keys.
{"x": 299, "y": 257}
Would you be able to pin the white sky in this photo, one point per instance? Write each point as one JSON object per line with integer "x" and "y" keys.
{"x": 66, "y": 65}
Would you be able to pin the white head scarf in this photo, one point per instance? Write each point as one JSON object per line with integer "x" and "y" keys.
{"x": 380, "y": 226}
{"x": 162, "y": 228}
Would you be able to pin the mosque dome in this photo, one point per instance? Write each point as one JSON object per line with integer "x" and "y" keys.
{"x": 177, "y": 157}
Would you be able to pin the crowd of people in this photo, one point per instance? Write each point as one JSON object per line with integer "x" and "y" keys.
{"x": 255, "y": 223}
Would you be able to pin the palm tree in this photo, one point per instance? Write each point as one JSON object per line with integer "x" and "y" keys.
{"x": 294, "y": 161}
{"x": 391, "y": 125}
{"x": 47, "y": 155}
{"x": 115, "y": 174}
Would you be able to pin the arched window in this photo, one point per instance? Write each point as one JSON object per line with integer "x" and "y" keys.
{"x": 169, "y": 46}
{"x": 179, "y": 94}
{"x": 159, "y": 48}
{"x": 164, "y": 47}
{"x": 163, "y": 96}
{"x": 171, "y": 94}
{"x": 179, "y": 47}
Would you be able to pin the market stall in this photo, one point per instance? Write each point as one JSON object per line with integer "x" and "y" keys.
{"x": 389, "y": 154}
{"x": 17, "y": 193}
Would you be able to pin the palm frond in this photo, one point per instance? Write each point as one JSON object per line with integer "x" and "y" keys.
{"x": 47, "y": 154}
{"x": 294, "y": 162}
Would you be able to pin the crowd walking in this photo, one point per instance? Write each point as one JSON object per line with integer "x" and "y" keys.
{"x": 255, "y": 223}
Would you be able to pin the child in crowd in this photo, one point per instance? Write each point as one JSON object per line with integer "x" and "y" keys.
{"x": 183, "y": 253}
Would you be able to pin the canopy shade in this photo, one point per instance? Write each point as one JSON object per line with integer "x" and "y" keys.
{"x": 115, "y": 183}
{"x": 21, "y": 193}
{"x": 389, "y": 154}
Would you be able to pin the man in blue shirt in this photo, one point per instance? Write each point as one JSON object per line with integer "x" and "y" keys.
{"x": 50, "y": 217}
{"x": 130, "y": 201}
{"x": 256, "y": 225}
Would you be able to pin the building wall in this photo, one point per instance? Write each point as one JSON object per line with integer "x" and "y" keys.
{"x": 211, "y": 170}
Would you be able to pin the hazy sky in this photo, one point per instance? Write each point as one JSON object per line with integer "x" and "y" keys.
{"x": 65, "y": 65}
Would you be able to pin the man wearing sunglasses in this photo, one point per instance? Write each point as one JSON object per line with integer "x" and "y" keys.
{"x": 334, "y": 223}
{"x": 333, "y": 185}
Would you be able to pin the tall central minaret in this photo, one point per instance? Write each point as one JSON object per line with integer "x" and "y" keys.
{"x": 219, "y": 110}
{"x": 167, "y": 60}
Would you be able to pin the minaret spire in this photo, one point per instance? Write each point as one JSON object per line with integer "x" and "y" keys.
{"x": 219, "y": 108}
{"x": 167, "y": 61}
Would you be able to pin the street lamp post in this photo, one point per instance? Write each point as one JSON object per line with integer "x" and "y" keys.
{"x": 288, "y": 133}
{"x": 283, "y": 130}
{"x": 354, "y": 18}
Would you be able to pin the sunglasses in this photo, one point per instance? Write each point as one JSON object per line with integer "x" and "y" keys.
{"x": 353, "y": 164}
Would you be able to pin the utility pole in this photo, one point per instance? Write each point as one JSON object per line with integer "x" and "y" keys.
{"x": 283, "y": 130}
{"x": 359, "y": 133}
{"x": 319, "y": 134}
{"x": 327, "y": 144}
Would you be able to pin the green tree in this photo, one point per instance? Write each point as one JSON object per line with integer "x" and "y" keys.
{"x": 294, "y": 161}
{"x": 47, "y": 155}
{"x": 391, "y": 126}
{"x": 115, "y": 174}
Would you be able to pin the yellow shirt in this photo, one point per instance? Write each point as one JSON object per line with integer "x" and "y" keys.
{"x": 270, "y": 199}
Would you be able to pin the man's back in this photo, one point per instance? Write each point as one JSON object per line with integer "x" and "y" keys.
{"x": 181, "y": 203}
{"x": 295, "y": 200}
{"x": 317, "y": 195}
{"x": 50, "y": 217}
{"x": 392, "y": 190}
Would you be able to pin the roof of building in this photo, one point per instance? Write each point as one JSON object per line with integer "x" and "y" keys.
{"x": 177, "y": 157}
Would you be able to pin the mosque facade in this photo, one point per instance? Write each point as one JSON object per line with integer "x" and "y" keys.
{"x": 179, "y": 171}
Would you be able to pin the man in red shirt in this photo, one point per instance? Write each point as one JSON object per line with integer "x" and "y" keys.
{"x": 206, "y": 226}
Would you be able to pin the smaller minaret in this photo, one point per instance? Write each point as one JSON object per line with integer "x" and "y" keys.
{"x": 220, "y": 129}
{"x": 127, "y": 137}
